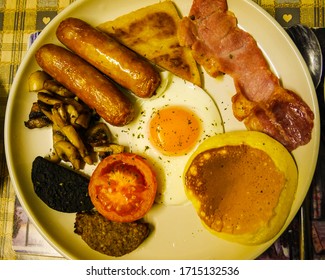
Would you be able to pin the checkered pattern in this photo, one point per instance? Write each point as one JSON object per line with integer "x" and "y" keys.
{"x": 290, "y": 12}
{"x": 19, "y": 18}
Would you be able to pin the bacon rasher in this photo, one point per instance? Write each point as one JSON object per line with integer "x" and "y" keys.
{"x": 220, "y": 46}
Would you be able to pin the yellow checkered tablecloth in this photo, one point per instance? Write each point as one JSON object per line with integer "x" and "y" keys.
{"x": 19, "y": 18}
{"x": 289, "y": 12}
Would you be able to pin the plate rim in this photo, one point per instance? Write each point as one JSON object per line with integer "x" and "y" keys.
{"x": 23, "y": 66}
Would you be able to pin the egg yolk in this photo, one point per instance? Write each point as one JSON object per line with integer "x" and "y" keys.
{"x": 174, "y": 130}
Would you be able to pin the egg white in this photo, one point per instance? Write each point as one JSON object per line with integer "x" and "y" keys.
{"x": 135, "y": 136}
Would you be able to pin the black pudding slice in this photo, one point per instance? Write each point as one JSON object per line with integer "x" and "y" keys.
{"x": 60, "y": 188}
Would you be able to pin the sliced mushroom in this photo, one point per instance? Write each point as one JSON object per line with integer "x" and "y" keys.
{"x": 70, "y": 118}
{"x": 54, "y": 86}
{"x": 36, "y": 118}
{"x": 75, "y": 139}
{"x": 48, "y": 98}
{"x": 80, "y": 107}
{"x": 46, "y": 109}
{"x": 37, "y": 123}
{"x": 57, "y": 119}
{"x": 73, "y": 113}
{"x": 68, "y": 152}
{"x": 104, "y": 151}
{"x": 83, "y": 120}
{"x": 98, "y": 135}
{"x": 63, "y": 113}
{"x": 57, "y": 136}
{"x": 35, "y": 111}
{"x": 78, "y": 119}
{"x": 36, "y": 80}
{"x": 71, "y": 133}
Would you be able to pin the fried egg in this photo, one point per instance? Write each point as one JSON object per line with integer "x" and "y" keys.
{"x": 167, "y": 130}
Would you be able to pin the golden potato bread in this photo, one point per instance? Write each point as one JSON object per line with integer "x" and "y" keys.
{"x": 152, "y": 32}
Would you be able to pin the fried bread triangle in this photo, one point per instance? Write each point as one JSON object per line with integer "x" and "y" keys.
{"x": 152, "y": 32}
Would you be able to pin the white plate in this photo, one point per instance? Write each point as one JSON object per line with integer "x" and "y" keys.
{"x": 178, "y": 232}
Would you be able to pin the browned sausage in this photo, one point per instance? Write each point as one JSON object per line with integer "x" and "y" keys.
{"x": 87, "y": 83}
{"x": 115, "y": 60}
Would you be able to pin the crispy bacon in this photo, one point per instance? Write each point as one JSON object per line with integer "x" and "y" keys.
{"x": 220, "y": 46}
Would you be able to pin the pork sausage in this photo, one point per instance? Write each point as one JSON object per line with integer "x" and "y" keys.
{"x": 109, "y": 56}
{"x": 87, "y": 83}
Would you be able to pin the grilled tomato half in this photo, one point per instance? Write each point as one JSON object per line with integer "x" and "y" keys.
{"x": 242, "y": 185}
{"x": 123, "y": 187}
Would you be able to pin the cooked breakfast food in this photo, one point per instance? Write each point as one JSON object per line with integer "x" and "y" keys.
{"x": 107, "y": 237}
{"x": 152, "y": 32}
{"x": 78, "y": 134}
{"x": 242, "y": 185}
{"x": 219, "y": 45}
{"x": 123, "y": 187}
{"x": 110, "y": 57}
{"x": 60, "y": 188}
{"x": 87, "y": 83}
{"x": 36, "y": 118}
{"x": 167, "y": 130}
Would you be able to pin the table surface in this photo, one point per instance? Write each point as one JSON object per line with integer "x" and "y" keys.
{"x": 18, "y": 19}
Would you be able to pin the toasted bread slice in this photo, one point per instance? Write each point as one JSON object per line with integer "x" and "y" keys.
{"x": 152, "y": 32}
